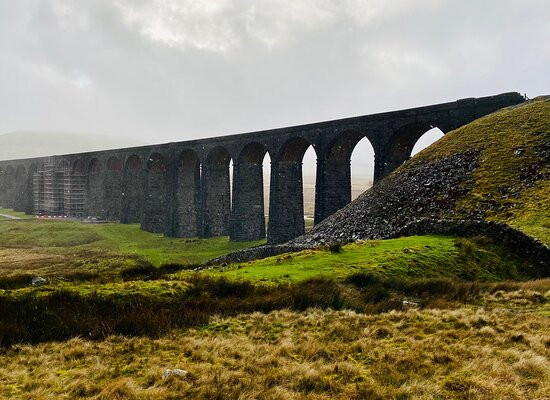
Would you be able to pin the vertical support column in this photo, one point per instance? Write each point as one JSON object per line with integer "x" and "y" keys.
{"x": 112, "y": 189}
{"x": 94, "y": 192}
{"x": 286, "y": 202}
{"x": 9, "y": 188}
{"x": 132, "y": 190}
{"x": 29, "y": 190}
{"x": 383, "y": 166}
{"x": 38, "y": 195}
{"x": 188, "y": 196}
{"x": 216, "y": 203}
{"x": 20, "y": 198}
{"x": 2, "y": 189}
{"x": 171, "y": 178}
{"x": 154, "y": 207}
{"x": 248, "y": 217}
{"x": 333, "y": 187}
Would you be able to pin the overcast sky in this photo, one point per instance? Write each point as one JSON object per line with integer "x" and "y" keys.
{"x": 167, "y": 70}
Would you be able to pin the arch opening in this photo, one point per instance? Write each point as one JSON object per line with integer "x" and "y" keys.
{"x": 362, "y": 167}
{"x": 426, "y": 140}
{"x": 132, "y": 190}
{"x": 155, "y": 202}
{"x": 309, "y": 184}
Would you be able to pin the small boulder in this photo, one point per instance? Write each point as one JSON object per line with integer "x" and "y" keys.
{"x": 518, "y": 152}
{"x": 38, "y": 281}
{"x": 174, "y": 372}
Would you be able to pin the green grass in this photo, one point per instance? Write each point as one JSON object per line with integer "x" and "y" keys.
{"x": 499, "y": 182}
{"x": 55, "y": 247}
{"x": 415, "y": 257}
{"x": 18, "y": 214}
{"x": 152, "y": 290}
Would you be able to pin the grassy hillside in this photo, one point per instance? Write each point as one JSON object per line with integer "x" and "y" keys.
{"x": 512, "y": 181}
{"x": 411, "y": 257}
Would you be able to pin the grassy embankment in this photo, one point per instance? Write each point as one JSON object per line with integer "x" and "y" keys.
{"x": 514, "y": 144}
{"x": 407, "y": 257}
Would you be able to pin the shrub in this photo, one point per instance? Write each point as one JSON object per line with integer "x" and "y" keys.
{"x": 15, "y": 281}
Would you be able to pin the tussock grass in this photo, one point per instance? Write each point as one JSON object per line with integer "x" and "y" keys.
{"x": 460, "y": 353}
{"x": 154, "y": 308}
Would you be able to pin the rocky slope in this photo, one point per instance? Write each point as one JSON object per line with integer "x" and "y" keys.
{"x": 496, "y": 168}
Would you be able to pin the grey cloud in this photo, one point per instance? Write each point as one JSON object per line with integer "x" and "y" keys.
{"x": 175, "y": 70}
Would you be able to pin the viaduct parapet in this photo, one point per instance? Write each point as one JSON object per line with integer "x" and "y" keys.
{"x": 183, "y": 189}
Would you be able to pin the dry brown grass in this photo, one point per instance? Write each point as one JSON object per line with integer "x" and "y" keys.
{"x": 465, "y": 353}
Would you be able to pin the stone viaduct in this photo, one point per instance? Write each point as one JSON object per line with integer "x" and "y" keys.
{"x": 183, "y": 189}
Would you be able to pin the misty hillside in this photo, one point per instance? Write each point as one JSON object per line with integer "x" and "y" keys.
{"x": 26, "y": 144}
{"x": 496, "y": 168}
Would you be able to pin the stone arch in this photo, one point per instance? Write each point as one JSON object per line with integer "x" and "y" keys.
{"x": 294, "y": 149}
{"x": 334, "y": 180}
{"x": 63, "y": 165}
{"x": 132, "y": 190}
{"x": 94, "y": 189}
{"x": 252, "y": 153}
{"x": 112, "y": 188}
{"x": 400, "y": 145}
{"x": 341, "y": 147}
{"x": 286, "y": 201}
{"x": 248, "y": 214}
{"x": 154, "y": 207}
{"x": 216, "y": 193}
{"x": 188, "y": 183}
{"x": 78, "y": 167}
{"x": 20, "y": 187}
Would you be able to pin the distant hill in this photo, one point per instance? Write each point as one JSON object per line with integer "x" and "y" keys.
{"x": 26, "y": 144}
{"x": 496, "y": 168}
